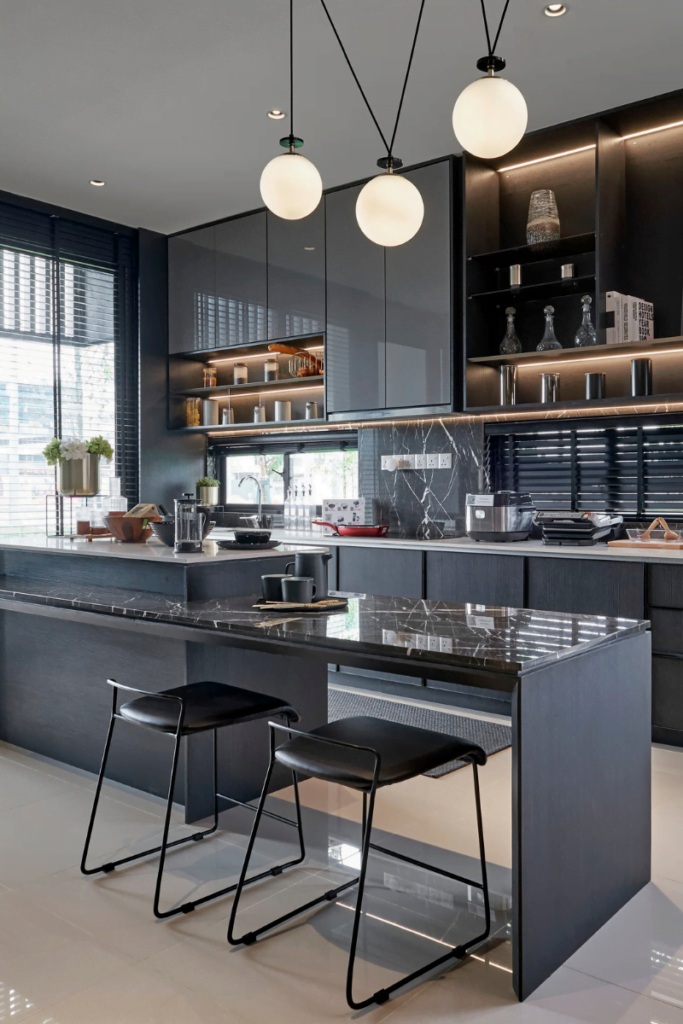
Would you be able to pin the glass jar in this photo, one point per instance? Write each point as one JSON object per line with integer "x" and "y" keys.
{"x": 210, "y": 377}
{"x": 240, "y": 373}
{"x": 193, "y": 412}
{"x": 271, "y": 369}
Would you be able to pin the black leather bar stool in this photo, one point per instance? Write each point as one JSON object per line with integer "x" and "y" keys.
{"x": 366, "y": 754}
{"x": 184, "y": 711}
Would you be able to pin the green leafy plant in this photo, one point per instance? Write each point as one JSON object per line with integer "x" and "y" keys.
{"x": 100, "y": 446}
{"x": 52, "y": 451}
{"x": 208, "y": 481}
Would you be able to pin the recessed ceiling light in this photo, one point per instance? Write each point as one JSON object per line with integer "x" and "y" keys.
{"x": 97, "y": 183}
{"x": 555, "y": 10}
{"x": 276, "y": 115}
{"x": 309, "y": 248}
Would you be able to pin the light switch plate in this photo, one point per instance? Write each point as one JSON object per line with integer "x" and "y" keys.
{"x": 388, "y": 462}
{"x": 420, "y": 462}
{"x": 446, "y": 460}
{"x": 432, "y": 462}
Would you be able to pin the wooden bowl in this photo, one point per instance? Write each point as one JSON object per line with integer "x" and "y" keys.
{"x": 130, "y": 531}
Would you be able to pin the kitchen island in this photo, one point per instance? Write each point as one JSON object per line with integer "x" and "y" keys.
{"x": 579, "y": 688}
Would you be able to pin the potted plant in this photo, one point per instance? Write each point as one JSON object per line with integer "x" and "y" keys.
{"x": 78, "y": 463}
{"x": 208, "y": 489}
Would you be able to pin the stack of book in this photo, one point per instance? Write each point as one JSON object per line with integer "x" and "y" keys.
{"x": 633, "y": 319}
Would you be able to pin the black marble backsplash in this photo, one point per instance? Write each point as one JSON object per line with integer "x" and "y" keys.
{"x": 424, "y": 503}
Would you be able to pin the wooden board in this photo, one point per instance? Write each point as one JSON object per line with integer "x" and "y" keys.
{"x": 672, "y": 545}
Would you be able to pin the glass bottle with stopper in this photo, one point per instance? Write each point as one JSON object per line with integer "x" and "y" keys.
{"x": 510, "y": 344}
{"x": 548, "y": 342}
{"x": 586, "y": 333}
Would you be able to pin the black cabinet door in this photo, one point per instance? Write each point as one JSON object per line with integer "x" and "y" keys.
{"x": 192, "y": 291}
{"x": 355, "y": 355}
{"x": 665, "y": 586}
{"x": 475, "y": 578}
{"x": 373, "y": 571}
{"x": 418, "y": 300}
{"x": 296, "y": 275}
{"x": 667, "y": 696}
{"x": 241, "y": 281}
{"x": 587, "y": 587}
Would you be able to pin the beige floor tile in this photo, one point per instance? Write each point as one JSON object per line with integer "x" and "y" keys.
{"x": 26, "y": 927}
{"x": 136, "y": 997}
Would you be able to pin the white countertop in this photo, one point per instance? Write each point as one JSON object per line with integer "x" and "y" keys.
{"x": 465, "y": 544}
{"x": 152, "y": 550}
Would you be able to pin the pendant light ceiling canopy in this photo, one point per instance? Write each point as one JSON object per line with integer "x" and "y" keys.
{"x": 490, "y": 116}
{"x": 389, "y": 209}
{"x": 291, "y": 186}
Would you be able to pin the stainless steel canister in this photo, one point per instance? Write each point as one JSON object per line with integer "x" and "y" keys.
{"x": 311, "y": 410}
{"x": 550, "y": 387}
{"x": 508, "y": 384}
{"x": 283, "y": 411}
{"x": 209, "y": 412}
{"x": 259, "y": 414}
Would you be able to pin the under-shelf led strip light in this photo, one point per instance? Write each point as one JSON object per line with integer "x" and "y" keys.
{"x": 268, "y": 393}
{"x": 263, "y": 355}
{"x": 608, "y": 355}
{"x": 585, "y": 149}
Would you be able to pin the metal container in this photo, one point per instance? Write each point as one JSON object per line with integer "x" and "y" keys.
{"x": 508, "y": 384}
{"x": 208, "y": 495}
{"x": 641, "y": 377}
{"x": 259, "y": 414}
{"x": 550, "y": 387}
{"x": 567, "y": 271}
{"x": 311, "y": 410}
{"x": 210, "y": 412}
{"x": 501, "y": 516}
{"x": 595, "y": 385}
{"x": 283, "y": 411}
{"x": 227, "y": 415}
{"x": 515, "y": 275}
{"x": 79, "y": 476}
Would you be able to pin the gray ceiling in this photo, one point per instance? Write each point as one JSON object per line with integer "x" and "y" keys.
{"x": 166, "y": 100}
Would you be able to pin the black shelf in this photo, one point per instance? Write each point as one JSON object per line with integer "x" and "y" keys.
{"x": 542, "y": 290}
{"x": 254, "y": 348}
{"x": 648, "y": 401}
{"x": 255, "y": 428}
{"x": 572, "y": 245}
{"x": 284, "y": 384}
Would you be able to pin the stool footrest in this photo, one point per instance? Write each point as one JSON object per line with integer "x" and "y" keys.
{"x": 187, "y": 908}
{"x": 249, "y": 939}
{"x": 107, "y": 868}
{"x": 381, "y": 997}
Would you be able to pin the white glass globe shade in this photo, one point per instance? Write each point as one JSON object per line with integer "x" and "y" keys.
{"x": 490, "y": 117}
{"x": 291, "y": 186}
{"x": 389, "y": 209}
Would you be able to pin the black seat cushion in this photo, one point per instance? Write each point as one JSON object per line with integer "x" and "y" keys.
{"x": 208, "y": 705}
{"x": 405, "y": 751}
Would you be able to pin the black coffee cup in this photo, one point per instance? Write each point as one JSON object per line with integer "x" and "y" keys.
{"x": 271, "y": 586}
{"x": 298, "y": 589}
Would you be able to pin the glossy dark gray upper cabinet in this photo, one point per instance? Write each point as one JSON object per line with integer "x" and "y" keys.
{"x": 191, "y": 291}
{"x": 296, "y": 275}
{"x": 418, "y": 300}
{"x": 355, "y": 310}
{"x": 241, "y": 281}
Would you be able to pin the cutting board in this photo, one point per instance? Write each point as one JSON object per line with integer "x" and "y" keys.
{"x": 671, "y": 545}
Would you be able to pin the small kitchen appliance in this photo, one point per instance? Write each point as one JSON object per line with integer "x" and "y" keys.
{"x": 501, "y": 516}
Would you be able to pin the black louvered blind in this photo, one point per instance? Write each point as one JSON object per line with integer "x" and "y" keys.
{"x": 68, "y": 353}
{"x": 633, "y": 469}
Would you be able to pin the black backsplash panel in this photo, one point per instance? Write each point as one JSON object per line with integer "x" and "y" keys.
{"x": 425, "y": 503}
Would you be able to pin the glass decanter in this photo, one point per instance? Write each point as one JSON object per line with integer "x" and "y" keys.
{"x": 586, "y": 333}
{"x": 548, "y": 341}
{"x": 510, "y": 343}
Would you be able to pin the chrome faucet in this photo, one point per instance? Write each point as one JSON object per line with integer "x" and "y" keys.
{"x": 250, "y": 476}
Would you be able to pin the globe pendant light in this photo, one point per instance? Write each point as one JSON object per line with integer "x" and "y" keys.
{"x": 389, "y": 208}
{"x": 490, "y": 116}
{"x": 291, "y": 186}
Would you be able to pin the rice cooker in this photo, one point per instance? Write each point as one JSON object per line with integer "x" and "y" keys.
{"x": 501, "y": 516}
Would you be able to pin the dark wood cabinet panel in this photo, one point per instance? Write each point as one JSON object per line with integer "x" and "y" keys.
{"x": 192, "y": 291}
{"x": 418, "y": 300}
{"x": 296, "y": 275}
{"x": 475, "y": 578}
{"x": 587, "y": 586}
{"x": 667, "y": 630}
{"x": 665, "y": 586}
{"x": 241, "y": 281}
{"x": 373, "y": 571}
{"x": 667, "y": 693}
{"x": 356, "y": 350}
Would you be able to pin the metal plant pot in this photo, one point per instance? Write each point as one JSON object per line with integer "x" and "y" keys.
{"x": 208, "y": 495}
{"x": 79, "y": 476}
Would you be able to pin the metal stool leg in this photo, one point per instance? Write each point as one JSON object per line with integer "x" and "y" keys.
{"x": 367, "y": 831}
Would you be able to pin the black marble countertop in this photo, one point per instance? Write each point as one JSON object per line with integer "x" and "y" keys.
{"x": 433, "y": 632}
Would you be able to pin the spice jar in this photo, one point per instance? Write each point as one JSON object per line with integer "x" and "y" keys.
{"x": 210, "y": 377}
{"x": 241, "y": 375}
{"x": 271, "y": 369}
{"x": 192, "y": 412}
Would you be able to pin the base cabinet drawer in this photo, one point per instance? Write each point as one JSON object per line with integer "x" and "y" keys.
{"x": 389, "y": 572}
{"x": 667, "y": 693}
{"x": 667, "y": 630}
{"x": 583, "y": 586}
{"x": 665, "y": 586}
{"x": 475, "y": 578}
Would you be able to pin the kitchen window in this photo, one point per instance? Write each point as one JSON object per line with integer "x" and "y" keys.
{"x": 68, "y": 356}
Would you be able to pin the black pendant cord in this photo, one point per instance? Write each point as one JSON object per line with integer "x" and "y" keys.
{"x": 492, "y": 49}
{"x": 291, "y": 67}
{"x": 388, "y": 146}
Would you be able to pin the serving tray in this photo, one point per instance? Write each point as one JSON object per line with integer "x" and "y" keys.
{"x": 331, "y": 604}
{"x": 234, "y": 545}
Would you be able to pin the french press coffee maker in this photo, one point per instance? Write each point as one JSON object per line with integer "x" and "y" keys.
{"x": 189, "y": 525}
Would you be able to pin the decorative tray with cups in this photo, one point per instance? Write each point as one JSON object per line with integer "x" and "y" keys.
{"x": 282, "y": 592}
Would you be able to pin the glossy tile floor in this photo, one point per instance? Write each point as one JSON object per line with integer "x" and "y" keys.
{"x": 77, "y": 950}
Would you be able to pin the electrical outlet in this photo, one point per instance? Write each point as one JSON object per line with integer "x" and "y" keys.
{"x": 432, "y": 462}
{"x": 405, "y": 461}
{"x": 446, "y": 460}
{"x": 420, "y": 462}
{"x": 388, "y": 463}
